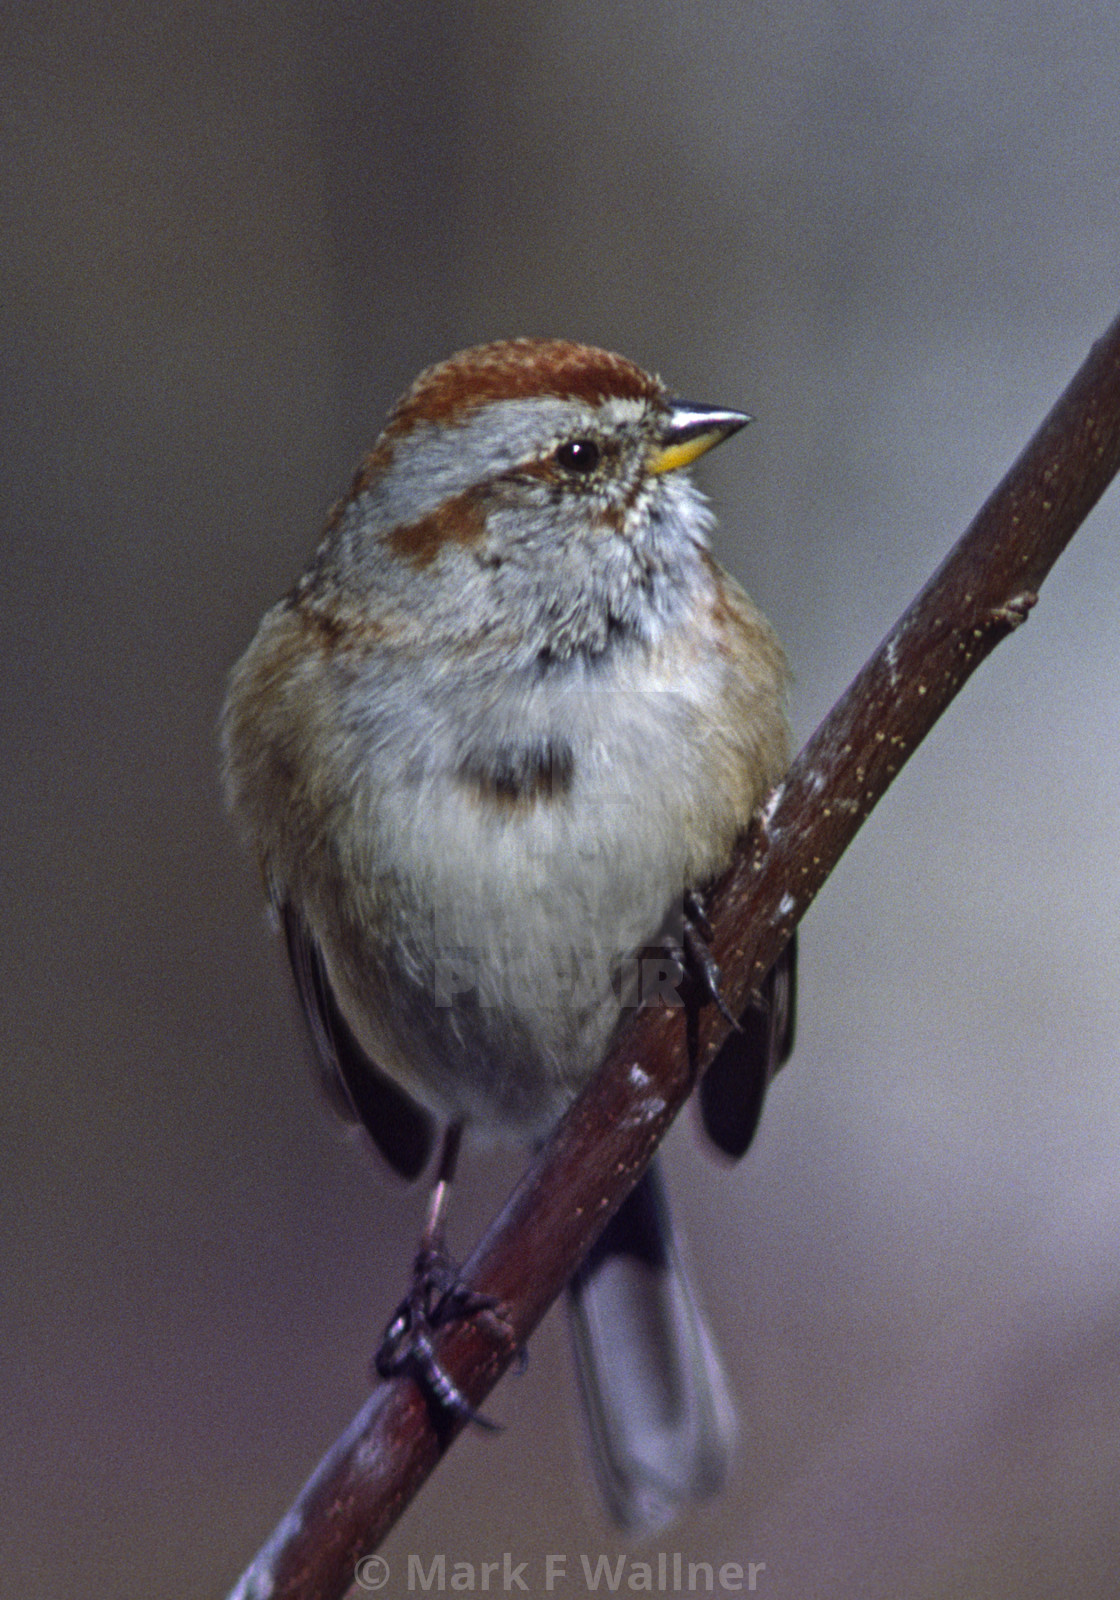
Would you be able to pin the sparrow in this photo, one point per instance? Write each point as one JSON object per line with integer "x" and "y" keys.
{"x": 489, "y": 750}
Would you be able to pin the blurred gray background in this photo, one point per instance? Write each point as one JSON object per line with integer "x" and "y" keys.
{"x": 231, "y": 236}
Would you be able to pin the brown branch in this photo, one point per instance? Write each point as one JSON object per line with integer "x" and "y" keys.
{"x": 982, "y": 592}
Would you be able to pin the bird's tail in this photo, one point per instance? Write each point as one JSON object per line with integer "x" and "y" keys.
{"x": 657, "y": 1402}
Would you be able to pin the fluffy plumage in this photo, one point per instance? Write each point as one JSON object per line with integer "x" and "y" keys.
{"x": 511, "y": 712}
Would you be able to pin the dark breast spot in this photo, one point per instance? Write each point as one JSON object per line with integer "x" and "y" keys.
{"x": 518, "y": 776}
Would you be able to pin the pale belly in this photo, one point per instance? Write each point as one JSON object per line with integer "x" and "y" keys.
{"x": 506, "y": 941}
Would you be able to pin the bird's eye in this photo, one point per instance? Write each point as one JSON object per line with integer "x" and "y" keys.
{"x": 578, "y": 455}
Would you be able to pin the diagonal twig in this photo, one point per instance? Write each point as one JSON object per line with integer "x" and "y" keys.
{"x": 983, "y": 591}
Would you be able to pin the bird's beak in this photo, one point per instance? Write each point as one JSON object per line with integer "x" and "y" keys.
{"x": 691, "y": 430}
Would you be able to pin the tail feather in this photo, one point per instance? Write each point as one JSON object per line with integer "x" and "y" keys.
{"x": 660, "y": 1413}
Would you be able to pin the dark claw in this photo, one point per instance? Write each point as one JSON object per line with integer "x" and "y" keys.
{"x": 698, "y": 962}
{"x": 696, "y": 913}
{"x": 437, "y": 1297}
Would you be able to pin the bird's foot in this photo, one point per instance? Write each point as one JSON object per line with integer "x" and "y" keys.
{"x": 438, "y": 1297}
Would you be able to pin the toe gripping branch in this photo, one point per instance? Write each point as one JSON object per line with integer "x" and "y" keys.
{"x": 700, "y": 969}
{"x": 436, "y": 1298}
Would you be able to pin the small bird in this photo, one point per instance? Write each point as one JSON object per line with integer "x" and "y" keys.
{"x": 489, "y": 750}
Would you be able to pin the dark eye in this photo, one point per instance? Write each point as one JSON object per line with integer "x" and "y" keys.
{"x": 578, "y": 455}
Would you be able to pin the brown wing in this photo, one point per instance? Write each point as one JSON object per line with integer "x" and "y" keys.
{"x": 734, "y": 1086}
{"x": 403, "y": 1132}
